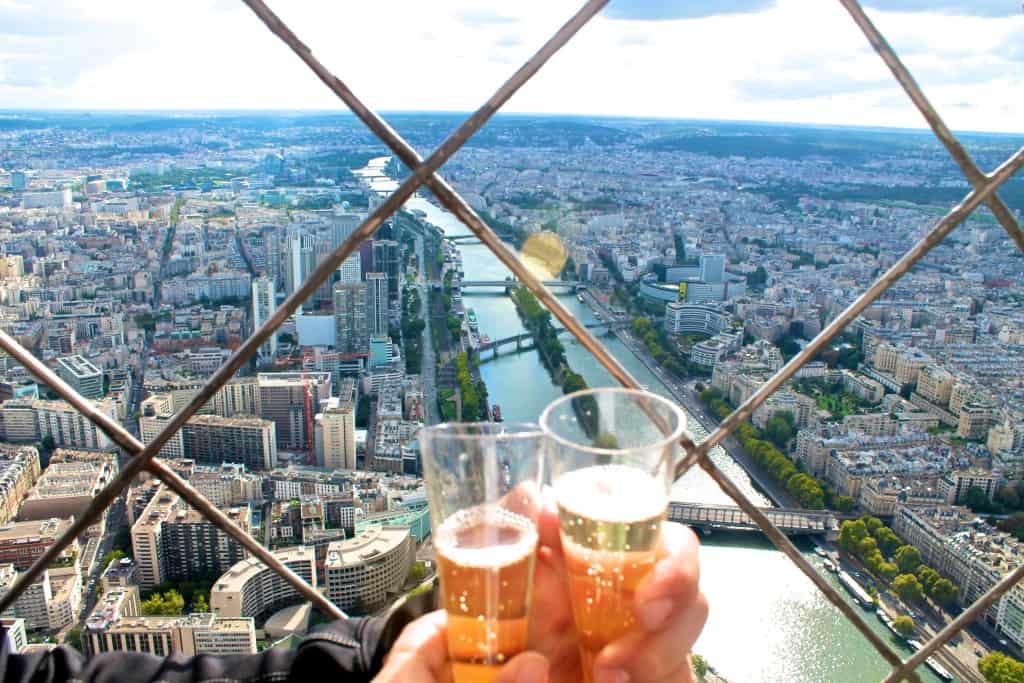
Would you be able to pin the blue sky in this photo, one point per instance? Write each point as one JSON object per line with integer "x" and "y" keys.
{"x": 780, "y": 60}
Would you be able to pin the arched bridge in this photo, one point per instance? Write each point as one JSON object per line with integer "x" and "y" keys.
{"x": 731, "y": 518}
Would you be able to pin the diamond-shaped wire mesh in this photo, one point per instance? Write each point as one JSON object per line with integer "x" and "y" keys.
{"x": 424, "y": 172}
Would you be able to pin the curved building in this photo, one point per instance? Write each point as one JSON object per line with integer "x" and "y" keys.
{"x": 683, "y": 318}
{"x": 251, "y": 589}
{"x": 363, "y": 573}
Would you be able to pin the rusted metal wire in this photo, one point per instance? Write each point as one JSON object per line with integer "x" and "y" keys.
{"x": 143, "y": 455}
{"x": 976, "y": 610}
{"x": 109, "y": 493}
{"x": 425, "y": 172}
{"x": 909, "y": 84}
{"x": 945, "y": 226}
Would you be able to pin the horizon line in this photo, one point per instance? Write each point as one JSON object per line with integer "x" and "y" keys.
{"x": 438, "y": 112}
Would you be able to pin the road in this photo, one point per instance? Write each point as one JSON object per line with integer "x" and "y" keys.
{"x": 428, "y": 373}
{"x": 684, "y": 394}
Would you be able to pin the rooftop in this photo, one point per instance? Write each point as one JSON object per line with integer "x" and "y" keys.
{"x": 369, "y": 543}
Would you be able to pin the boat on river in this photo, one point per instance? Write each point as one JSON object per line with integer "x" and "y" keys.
{"x": 860, "y": 595}
{"x": 471, "y": 319}
{"x": 830, "y": 566}
{"x": 496, "y": 413}
{"x": 579, "y": 297}
{"x": 932, "y": 663}
{"x": 819, "y": 551}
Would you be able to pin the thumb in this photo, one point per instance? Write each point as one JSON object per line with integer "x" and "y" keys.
{"x": 526, "y": 667}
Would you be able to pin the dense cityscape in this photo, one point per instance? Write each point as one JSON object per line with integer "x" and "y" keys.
{"x": 138, "y": 251}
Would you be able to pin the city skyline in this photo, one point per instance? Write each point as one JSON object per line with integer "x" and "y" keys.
{"x": 967, "y": 56}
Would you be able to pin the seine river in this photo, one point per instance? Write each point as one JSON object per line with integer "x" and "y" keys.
{"x": 768, "y": 623}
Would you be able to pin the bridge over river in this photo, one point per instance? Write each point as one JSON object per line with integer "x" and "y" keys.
{"x": 731, "y": 518}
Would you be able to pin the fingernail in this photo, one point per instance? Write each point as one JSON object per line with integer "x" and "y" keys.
{"x": 532, "y": 670}
{"x": 653, "y": 614}
{"x": 611, "y": 676}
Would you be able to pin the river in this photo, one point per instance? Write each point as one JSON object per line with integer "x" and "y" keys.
{"x": 768, "y": 623}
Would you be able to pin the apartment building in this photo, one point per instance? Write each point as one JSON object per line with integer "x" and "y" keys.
{"x": 19, "y": 470}
{"x": 335, "y": 435}
{"x": 284, "y": 400}
{"x": 251, "y": 589}
{"x": 212, "y": 440}
{"x": 975, "y": 556}
{"x": 154, "y": 414}
{"x": 82, "y": 375}
{"x": 172, "y": 541}
{"x": 21, "y": 543}
{"x": 115, "y": 625}
{"x": 364, "y": 573}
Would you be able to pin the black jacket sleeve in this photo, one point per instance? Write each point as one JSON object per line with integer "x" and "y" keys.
{"x": 350, "y": 651}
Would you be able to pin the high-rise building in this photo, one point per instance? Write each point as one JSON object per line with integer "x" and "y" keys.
{"x": 263, "y": 305}
{"x": 351, "y": 269}
{"x": 387, "y": 259}
{"x": 712, "y": 268}
{"x": 351, "y": 318}
{"x": 154, "y": 414}
{"x": 365, "y": 572}
{"x": 251, "y": 589}
{"x": 240, "y": 396}
{"x": 82, "y": 375}
{"x": 62, "y": 422}
{"x": 170, "y": 540}
{"x": 377, "y": 302}
{"x": 213, "y": 439}
{"x": 381, "y": 351}
{"x": 283, "y": 400}
{"x": 336, "y": 435}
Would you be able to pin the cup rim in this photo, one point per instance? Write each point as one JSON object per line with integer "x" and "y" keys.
{"x": 674, "y": 437}
{"x": 451, "y": 430}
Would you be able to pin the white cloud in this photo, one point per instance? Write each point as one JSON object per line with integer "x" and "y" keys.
{"x": 791, "y": 60}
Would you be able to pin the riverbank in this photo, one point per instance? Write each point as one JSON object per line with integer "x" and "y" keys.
{"x": 698, "y": 413}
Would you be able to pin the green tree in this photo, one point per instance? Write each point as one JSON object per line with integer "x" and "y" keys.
{"x": 927, "y": 576}
{"x": 200, "y": 603}
{"x": 904, "y": 625}
{"x": 943, "y": 592}
{"x": 908, "y": 588}
{"x": 845, "y": 504}
{"x": 111, "y": 557}
{"x": 888, "y": 570}
{"x": 167, "y": 604}
{"x": 977, "y": 501}
{"x": 74, "y": 637}
{"x": 873, "y": 524}
{"x": 867, "y": 546}
{"x": 778, "y": 431}
{"x": 851, "y": 533}
{"x": 999, "y": 668}
{"x": 888, "y": 541}
{"x": 908, "y": 558}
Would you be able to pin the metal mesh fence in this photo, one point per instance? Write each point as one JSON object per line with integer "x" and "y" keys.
{"x": 425, "y": 173}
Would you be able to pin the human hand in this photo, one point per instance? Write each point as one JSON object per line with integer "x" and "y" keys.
{"x": 420, "y": 655}
{"x": 670, "y": 613}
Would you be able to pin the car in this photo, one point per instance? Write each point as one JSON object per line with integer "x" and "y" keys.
{"x": 978, "y": 652}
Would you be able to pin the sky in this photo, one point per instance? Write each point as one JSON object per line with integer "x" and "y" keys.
{"x": 763, "y": 60}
